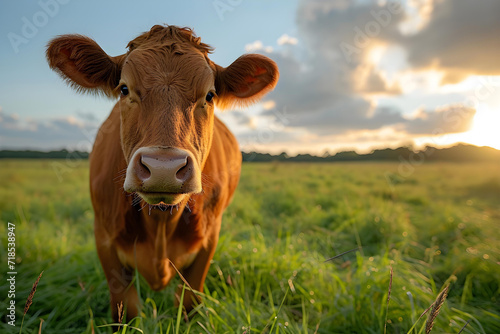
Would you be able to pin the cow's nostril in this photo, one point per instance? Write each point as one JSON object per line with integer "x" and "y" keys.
{"x": 183, "y": 172}
{"x": 142, "y": 170}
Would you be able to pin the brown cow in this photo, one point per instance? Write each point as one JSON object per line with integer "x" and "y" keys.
{"x": 163, "y": 167}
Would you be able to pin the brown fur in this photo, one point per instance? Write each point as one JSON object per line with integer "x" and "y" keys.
{"x": 168, "y": 74}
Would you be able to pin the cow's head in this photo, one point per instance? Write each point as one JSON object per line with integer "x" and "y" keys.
{"x": 167, "y": 88}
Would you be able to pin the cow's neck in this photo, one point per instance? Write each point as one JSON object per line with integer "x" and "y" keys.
{"x": 161, "y": 223}
{"x": 173, "y": 233}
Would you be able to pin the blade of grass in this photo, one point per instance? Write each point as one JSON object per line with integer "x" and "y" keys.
{"x": 470, "y": 316}
{"x": 339, "y": 255}
{"x": 121, "y": 325}
{"x": 464, "y": 326}
{"x": 277, "y": 313}
{"x": 179, "y": 310}
{"x": 388, "y": 300}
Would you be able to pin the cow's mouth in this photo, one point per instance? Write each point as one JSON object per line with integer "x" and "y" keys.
{"x": 162, "y": 198}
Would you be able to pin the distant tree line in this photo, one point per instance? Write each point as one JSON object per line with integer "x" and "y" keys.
{"x": 29, "y": 154}
{"x": 459, "y": 153}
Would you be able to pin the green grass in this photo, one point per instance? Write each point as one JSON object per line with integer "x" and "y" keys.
{"x": 437, "y": 226}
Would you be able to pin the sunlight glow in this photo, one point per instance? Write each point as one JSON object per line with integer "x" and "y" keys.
{"x": 485, "y": 128}
{"x": 376, "y": 53}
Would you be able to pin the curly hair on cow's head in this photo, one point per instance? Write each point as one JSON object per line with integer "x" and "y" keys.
{"x": 166, "y": 33}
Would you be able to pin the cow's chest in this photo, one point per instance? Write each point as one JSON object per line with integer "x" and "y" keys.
{"x": 155, "y": 253}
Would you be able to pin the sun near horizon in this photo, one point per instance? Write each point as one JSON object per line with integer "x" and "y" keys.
{"x": 484, "y": 129}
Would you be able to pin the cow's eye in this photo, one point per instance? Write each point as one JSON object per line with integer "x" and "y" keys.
{"x": 124, "y": 90}
{"x": 210, "y": 96}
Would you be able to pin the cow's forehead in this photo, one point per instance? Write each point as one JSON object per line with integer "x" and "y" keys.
{"x": 183, "y": 67}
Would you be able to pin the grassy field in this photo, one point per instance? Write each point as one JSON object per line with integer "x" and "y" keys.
{"x": 435, "y": 224}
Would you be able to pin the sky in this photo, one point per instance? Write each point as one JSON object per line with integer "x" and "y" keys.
{"x": 354, "y": 74}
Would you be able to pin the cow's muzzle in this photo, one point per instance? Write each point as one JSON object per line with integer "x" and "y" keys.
{"x": 162, "y": 175}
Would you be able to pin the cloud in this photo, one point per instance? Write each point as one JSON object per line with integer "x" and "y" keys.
{"x": 26, "y": 133}
{"x": 257, "y": 46}
{"x": 249, "y": 140}
{"x": 87, "y": 116}
{"x": 329, "y": 94}
{"x": 451, "y": 119}
{"x": 241, "y": 118}
{"x": 285, "y": 39}
{"x": 336, "y": 28}
{"x": 347, "y": 115}
{"x": 370, "y": 80}
{"x": 326, "y": 93}
{"x": 460, "y": 38}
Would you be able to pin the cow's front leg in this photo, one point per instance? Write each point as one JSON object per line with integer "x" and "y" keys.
{"x": 123, "y": 291}
{"x": 119, "y": 280}
{"x": 196, "y": 273}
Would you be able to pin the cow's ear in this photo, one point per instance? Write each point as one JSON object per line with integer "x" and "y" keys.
{"x": 245, "y": 81}
{"x": 84, "y": 65}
